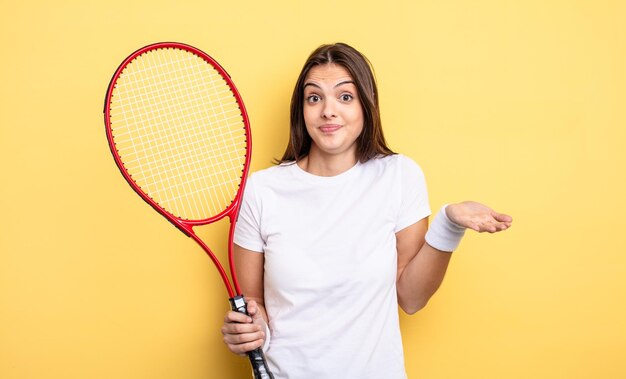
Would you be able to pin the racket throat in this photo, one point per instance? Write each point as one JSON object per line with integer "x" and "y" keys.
{"x": 186, "y": 229}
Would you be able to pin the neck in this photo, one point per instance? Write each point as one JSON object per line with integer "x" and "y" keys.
{"x": 320, "y": 164}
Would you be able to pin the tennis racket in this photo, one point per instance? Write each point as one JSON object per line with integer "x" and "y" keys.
{"x": 179, "y": 133}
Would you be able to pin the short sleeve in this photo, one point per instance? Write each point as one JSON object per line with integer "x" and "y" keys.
{"x": 248, "y": 226}
{"x": 414, "y": 204}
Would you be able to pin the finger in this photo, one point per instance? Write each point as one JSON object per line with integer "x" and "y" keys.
{"x": 504, "y": 225}
{"x": 255, "y": 312}
{"x": 241, "y": 329}
{"x": 253, "y": 308}
{"x": 241, "y": 343}
{"x": 500, "y": 226}
{"x": 243, "y": 348}
{"x": 502, "y": 217}
{"x": 232, "y": 317}
{"x": 487, "y": 225}
{"x": 237, "y": 339}
{"x": 489, "y": 228}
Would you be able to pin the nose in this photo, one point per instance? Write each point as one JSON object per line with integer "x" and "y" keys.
{"x": 328, "y": 110}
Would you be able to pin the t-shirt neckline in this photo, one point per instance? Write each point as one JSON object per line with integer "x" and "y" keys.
{"x": 304, "y": 175}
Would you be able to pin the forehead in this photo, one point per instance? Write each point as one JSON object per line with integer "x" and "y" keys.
{"x": 330, "y": 73}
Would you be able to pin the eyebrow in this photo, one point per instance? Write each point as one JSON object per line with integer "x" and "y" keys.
{"x": 335, "y": 86}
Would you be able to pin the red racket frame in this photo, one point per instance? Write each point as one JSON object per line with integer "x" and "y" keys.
{"x": 186, "y": 226}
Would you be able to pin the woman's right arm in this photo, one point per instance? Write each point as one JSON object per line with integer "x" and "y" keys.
{"x": 244, "y": 333}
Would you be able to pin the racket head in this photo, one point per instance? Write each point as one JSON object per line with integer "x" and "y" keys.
{"x": 179, "y": 133}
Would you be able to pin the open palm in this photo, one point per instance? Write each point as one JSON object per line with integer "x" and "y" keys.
{"x": 478, "y": 217}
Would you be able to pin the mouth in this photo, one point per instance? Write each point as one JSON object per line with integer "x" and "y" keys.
{"x": 329, "y": 128}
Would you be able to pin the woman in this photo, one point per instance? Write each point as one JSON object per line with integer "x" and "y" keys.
{"x": 330, "y": 241}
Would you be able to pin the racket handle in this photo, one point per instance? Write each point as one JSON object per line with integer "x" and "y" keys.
{"x": 257, "y": 358}
{"x": 259, "y": 365}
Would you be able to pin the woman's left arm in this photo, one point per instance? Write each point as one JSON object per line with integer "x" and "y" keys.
{"x": 422, "y": 267}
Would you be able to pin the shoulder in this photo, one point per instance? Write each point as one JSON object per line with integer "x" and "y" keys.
{"x": 396, "y": 162}
{"x": 270, "y": 178}
{"x": 271, "y": 174}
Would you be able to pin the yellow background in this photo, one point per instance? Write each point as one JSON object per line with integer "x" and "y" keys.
{"x": 518, "y": 104}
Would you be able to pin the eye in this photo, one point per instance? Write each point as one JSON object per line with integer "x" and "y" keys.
{"x": 313, "y": 98}
{"x": 346, "y": 97}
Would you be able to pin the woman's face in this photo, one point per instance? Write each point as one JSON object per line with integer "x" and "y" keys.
{"x": 332, "y": 111}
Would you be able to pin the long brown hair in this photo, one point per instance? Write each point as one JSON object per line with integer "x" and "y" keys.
{"x": 371, "y": 142}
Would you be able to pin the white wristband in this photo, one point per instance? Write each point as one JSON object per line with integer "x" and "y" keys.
{"x": 444, "y": 234}
{"x": 266, "y": 345}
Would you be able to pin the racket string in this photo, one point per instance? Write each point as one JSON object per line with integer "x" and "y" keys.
{"x": 146, "y": 93}
{"x": 181, "y": 154}
{"x": 189, "y": 193}
{"x": 156, "y": 190}
{"x": 154, "y": 76}
{"x": 211, "y": 100}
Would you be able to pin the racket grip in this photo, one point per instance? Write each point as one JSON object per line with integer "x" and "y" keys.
{"x": 257, "y": 358}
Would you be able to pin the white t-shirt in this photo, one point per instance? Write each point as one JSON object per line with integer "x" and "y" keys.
{"x": 330, "y": 264}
